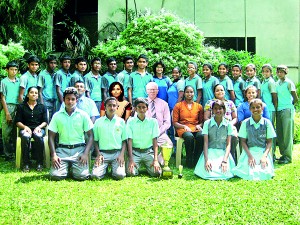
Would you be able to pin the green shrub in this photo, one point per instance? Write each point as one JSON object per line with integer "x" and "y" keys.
{"x": 297, "y": 128}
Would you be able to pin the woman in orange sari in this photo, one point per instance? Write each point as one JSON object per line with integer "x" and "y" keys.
{"x": 188, "y": 122}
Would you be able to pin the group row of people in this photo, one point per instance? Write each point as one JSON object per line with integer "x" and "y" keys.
{"x": 128, "y": 86}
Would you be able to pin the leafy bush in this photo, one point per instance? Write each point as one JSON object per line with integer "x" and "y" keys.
{"x": 297, "y": 128}
{"x": 161, "y": 37}
{"x": 12, "y": 51}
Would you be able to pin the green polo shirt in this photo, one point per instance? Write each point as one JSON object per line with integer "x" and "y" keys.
{"x": 28, "y": 80}
{"x": 268, "y": 87}
{"x": 285, "y": 98}
{"x": 196, "y": 83}
{"x": 138, "y": 84}
{"x": 142, "y": 132}
{"x": 93, "y": 85}
{"x": 10, "y": 89}
{"x": 228, "y": 86}
{"x": 110, "y": 133}
{"x": 46, "y": 81}
{"x": 71, "y": 128}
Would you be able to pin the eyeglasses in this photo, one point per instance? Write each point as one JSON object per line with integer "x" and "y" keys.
{"x": 191, "y": 68}
{"x": 152, "y": 89}
{"x": 142, "y": 107}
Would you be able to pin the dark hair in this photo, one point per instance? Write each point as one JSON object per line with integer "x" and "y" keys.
{"x": 12, "y": 64}
{"x": 111, "y": 87}
{"x": 238, "y": 66}
{"x": 79, "y": 82}
{"x": 188, "y": 86}
{"x": 140, "y": 100}
{"x": 33, "y": 58}
{"x": 50, "y": 58}
{"x": 246, "y": 90}
{"x": 126, "y": 58}
{"x": 219, "y": 103}
{"x": 95, "y": 59}
{"x": 142, "y": 56}
{"x": 208, "y": 65}
{"x": 257, "y": 101}
{"x": 65, "y": 57}
{"x": 109, "y": 60}
{"x": 80, "y": 59}
{"x": 223, "y": 64}
{"x": 71, "y": 91}
{"x": 156, "y": 64}
{"x": 177, "y": 68}
{"x": 110, "y": 99}
{"x": 26, "y": 99}
{"x": 251, "y": 65}
{"x": 217, "y": 86}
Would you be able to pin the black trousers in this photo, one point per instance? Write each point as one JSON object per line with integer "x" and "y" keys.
{"x": 193, "y": 142}
{"x": 38, "y": 145}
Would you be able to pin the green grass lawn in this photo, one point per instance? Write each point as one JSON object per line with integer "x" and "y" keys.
{"x": 32, "y": 199}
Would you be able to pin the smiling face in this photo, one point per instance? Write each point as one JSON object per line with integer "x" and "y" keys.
{"x": 236, "y": 72}
{"x": 222, "y": 71}
{"x": 116, "y": 91}
{"x": 191, "y": 69}
{"x": 256, "y": 108}
{"x": 111, "y": 107}
{"x": 266, "y": 72}
{"x": 251, "y": 93}
{"x": 152, "y": 90}
{"x": 159, "y": 70}
{"x": 80, "y": 88}
{"x": 33, "y": 94}
{"x": 175, "y": 74}
{"x": 219, "y": 92}
{"x": 218, "y": 110}
{"x": 189, "y": 94}
{"x": 206, "y": 71}
{"x": 250, "y": 72}
{"x": 70, "y": 101}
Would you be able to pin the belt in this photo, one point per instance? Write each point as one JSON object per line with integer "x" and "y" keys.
{"x": 141, "y": 149}
{"x": 71, "y": 146}
{"x": 111, "y": 151}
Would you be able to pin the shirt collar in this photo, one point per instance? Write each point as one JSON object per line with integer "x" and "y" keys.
{"x": 261, "y": 121}
{"x": 214, "y": 123}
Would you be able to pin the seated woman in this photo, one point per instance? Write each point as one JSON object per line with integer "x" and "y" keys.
{"x": 124, "y": 107}
{"x": 244, "y": 110}
{"x": 216, "y": 161}
{"x": 229, "y": 114}
{"x": 32, "y": 119}
{"x": 188, "y": 120}
{"x": 256, "y": 133}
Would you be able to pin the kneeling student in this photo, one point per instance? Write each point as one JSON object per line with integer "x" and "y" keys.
{"x": 110, "y": 142}
{"x": 142, "y": 140}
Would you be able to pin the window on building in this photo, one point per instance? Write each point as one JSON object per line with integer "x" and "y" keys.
{"x": 235, "y": 43}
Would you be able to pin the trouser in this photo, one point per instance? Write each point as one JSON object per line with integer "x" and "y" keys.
{"x": 70, "y": 159}
{"x": 272, "y": 119}
{"x": 9, "y": 131}
{"x": 193, "y": 142}
{"x": 110, "y": 157}
{"x": 51, "y": 106}
{"x": 285, "y": 131}
{"x": 38, "y": 145}
{"x": 98, "y": 104}
{"x": 146, "y": 158}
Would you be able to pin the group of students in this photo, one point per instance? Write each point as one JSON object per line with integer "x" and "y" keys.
{"x": 129, "y": 121}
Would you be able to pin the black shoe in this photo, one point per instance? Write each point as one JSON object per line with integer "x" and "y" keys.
{"x": 39, "y": 168}
{"x": 26, "y": 169}
{"x": 283, "y": 161}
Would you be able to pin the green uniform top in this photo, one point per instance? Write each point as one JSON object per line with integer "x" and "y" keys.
{"x": 10, "y": 90}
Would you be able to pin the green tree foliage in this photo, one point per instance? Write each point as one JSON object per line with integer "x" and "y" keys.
{"x": 26, "y": 21}
{"x": 161, "y": 37}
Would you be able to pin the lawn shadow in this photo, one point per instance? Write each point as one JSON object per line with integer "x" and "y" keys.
{"x": 28, "y": 179}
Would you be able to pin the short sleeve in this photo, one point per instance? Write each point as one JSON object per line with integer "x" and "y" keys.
{"x": 23, "y": 81}
{"x": 199, "y": 83}
{"x": 155, "y": 129}
{"x": 96, "y": 134}
{"x": 180, "y": 85}
{"x": 129, "y": 127}
{"x": 230, "y": 130}
{"x": 130, "y": 82}
{"x": 124, "y": 131}
{"x": 229, "y": 84}
{"x": 53, "y": 123}
{"x": 270, "y": 130}
{"x": 243, "y": 130}
{"x": 205, "y": 127}
{"x": 41, "y": 81}
{"x": 3, "y": 89}
{"x": 272, "y": 86}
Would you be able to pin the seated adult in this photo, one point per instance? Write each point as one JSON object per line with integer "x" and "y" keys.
{"x": 229, "y": 114}
{"x": 32, "y": 119}
{"x": 124, "y": 107}
{"x": 188, "y": 121}
{"x": 71, "y": 124}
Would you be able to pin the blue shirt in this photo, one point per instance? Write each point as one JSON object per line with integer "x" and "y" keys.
{"x": 208, "y": 89}
{"x": 28, "y": 80}
{"x": 93, "y": 85}
{"x": 239, "y": 87}
{"x": 138, "y": 84}
{"x": 244, "y": 111}
{"x": 253, "y": 81}
{"x": 62, "y": 79}
{"x": 173, "y": 90}
{"x": 228, "y": 86}
{"x": 46, "y": 81}
{"x": 107, "y": 80}
{"x": 76, "y": 76}
{"x": 268, "y": 87}
{"x": 163, "y": 85}
{"x": 123, "y": 78}
{"x": 196, "y": 83}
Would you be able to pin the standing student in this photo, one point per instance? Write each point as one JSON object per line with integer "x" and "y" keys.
{"x": 62, "y": 79}
{"x": 162, "y": 81}
{"x": 139, "y": 79}
{"x": 72, "y": 151}
{"x": 195, "y": 81}
{"x": 123, "y": 76}
{"x": 252, "y": 79}
{"x": 142, "y": 148}
{"x": 238, "y": 84}
{"x": 46, "y": 85}
{"x": 226, "y": 81}
{"x": 256, "y": 133}
{"x": 81, "y": 66}
{"x": 287, "y": 97}
{"x": 110, "y": 142}
{"x": 110, "y": 76}
{"x": 9, "y": 90}
{"x": 32, "y": 119}
{"x": 216, "y": 162}
{"x": 93, "y": 82}
{"x": 269, "y": 97}
{"x": 188, "y": 120}
{"x": 208, "y": 83}
{"x": 30, "y": 78}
